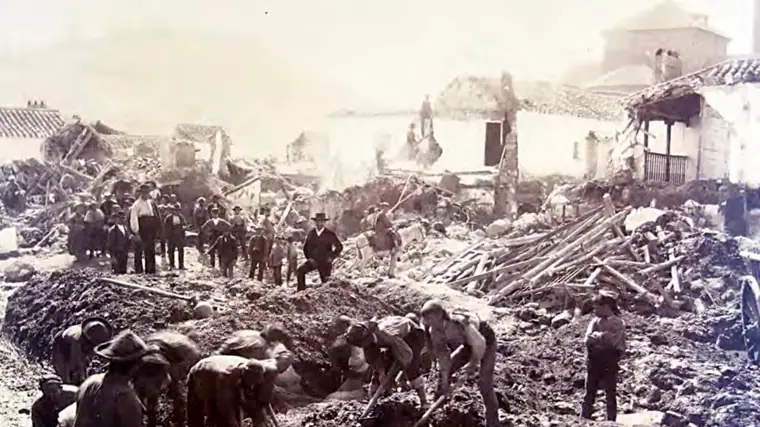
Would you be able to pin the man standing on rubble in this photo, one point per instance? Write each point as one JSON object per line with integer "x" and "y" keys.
{"x": 403, "y": 341}
{"x": 239, "y": 228}
{"x": 268, "y": 229}
{"x": 605, "y": 345}
{"x": 200, "y": 216}
{"x": 174, "y": 234}
{"x": 145, "y": 222}
{"x": 216, "y": 202}
{"x": 475, "y": 344}
{"x": 95, "y": 222}
{"x": 77, "y": 241}
{"x": 257, "y": 247}
{"x": 227, "y": 247}
{"x": 117, "y": 244}
{"x": 322, "y": 246}
{"x": 73, "y": 348}
{"x": 385, "y": 236}
{"x": 214, "y": 228}
{"x": 55, "y": 397}
{"x": 109, "y": 399}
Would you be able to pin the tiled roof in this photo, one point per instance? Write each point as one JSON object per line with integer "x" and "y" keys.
{"x": 29, "y": 122}
{"x": 128, "y": 142}
{"x": 478, "y": 96}
{"x": 631, "y": 75}
{"x": 729, "y": 72}
{"x": 197, "y": 133}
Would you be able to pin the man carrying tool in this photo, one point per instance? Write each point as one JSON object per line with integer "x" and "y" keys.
{"x": 145, "y": 223}
{"x": 321, "y": 248}
{"x": 393, "y": 343}
{"x": 73, "y": 348}
{"x": 221, "y": 388}
{"x": 474, "y": 342}
{"x": 257, "y": 247}
{"x": 227, "y": 247}
{"x": 386, "y": 237}
{"x": 55, "y": 397}
{"x": 214, "y": 228}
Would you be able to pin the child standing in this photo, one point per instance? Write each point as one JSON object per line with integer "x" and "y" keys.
{"x": 292, "y": 255}
{"x": 276, "y": 255}
{"x": 605, "y": 344}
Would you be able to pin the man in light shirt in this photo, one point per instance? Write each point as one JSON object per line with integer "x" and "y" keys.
{"x": 145, "y": 223}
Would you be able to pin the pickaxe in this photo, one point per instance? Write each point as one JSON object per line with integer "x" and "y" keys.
{"x": 389, "y": 377}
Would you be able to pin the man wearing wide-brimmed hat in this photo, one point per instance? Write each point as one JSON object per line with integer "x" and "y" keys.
{"x": 109, "y": 399}
{"x": 73, "y": 348}
{"x": 55, "y": 397}
{"x": 145, "y": 223}
{"x": 322, "y": 246}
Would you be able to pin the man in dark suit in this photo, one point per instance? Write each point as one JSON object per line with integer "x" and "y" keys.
{"x": 174, "y": 235}
{"x": 321, "y": 248}
{"x": 117, "y": 243}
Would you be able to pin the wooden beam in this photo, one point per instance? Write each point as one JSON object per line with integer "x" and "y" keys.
{"x": 668, "y": 135}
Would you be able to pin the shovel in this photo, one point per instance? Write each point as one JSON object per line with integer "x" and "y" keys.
{"x": 437, "y": 404}
{"x": 272, "y": 418}
{"x": 379, "y": 392}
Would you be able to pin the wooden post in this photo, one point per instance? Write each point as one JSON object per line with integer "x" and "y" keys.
{"x": 668, "y": 134}
{"x": 505, "y": 181}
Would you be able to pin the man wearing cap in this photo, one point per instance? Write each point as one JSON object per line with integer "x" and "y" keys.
{"x": 145, "y": 223}
{"x": 176, "y": 355}
{"x": 321, "y": 248}
{"x": 214, "y": 228}
{"x": 346, "y": 359}
{"x": 216, "y": 202}
{"x": 73, "y": 348}
{"x": 117, "y": 244}
{"x": 55, "y": 397}
{"x": 174, "y": 235}
{"x": 268, "y": 230}
{"x": 605, "y": 345}
{"x": 475, "y": 344}
{"x": 271, "y": 343}
{"x": 391, "y": 340}
{"x": 239, "y": 228}
{"x": 109, "y": 399}
{"x": 200, "y": 216}
{"x": 257, "y": 247}
{"x": 95, "y": 222}
{"x": 221, "y": 388}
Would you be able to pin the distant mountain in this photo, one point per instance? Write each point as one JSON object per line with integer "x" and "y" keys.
{"x": 147, "y": 82}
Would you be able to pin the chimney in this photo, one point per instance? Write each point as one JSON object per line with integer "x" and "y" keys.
{"x": 756, "y": 26}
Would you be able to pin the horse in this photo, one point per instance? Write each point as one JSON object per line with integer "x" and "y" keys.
{"x": 367, "y": 249}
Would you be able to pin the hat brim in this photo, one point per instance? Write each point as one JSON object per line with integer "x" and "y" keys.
{"x": 103, "y": 351}
{"x": 319, "y": 218}
{"x": 95, "y": 319}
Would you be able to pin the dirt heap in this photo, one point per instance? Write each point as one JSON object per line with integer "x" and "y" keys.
{"x": 48, "y": 304}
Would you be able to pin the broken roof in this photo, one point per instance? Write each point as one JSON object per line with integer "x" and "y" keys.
{"x": 29, "y": 122}
{"x": 729, "y": 72}
{"x": 198, "y": 133}
{"x": 478, "y": 96}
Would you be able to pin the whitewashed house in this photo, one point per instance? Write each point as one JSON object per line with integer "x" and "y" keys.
{"x": 704, "y": 125}
{"x": 24, "y": 129}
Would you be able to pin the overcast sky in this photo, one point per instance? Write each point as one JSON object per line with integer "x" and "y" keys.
{"x": 390, "y": 50}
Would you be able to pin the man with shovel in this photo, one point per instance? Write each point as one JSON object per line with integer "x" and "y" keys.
{"x": 392, "y": 343}
{"x": 474, "y": 342}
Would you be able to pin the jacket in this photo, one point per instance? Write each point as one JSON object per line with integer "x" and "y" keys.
{"x": 174, "y": 232}
{"x": 322, "y": 247}
{"x": 118, "y": 241}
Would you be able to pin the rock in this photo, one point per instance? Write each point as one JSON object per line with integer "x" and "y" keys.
{"x": 497, "y": 228}
{"x": 674, "y": 419}
{"x": 654, "y": 395}
{"x": 562, "y": 319}
{"x": 203, "y": 310}
{"x": 19, "y": 271}
{"x": 450, "y": 182}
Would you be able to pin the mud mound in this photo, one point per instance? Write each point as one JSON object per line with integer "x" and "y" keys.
{"x": 46, "y": 305}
